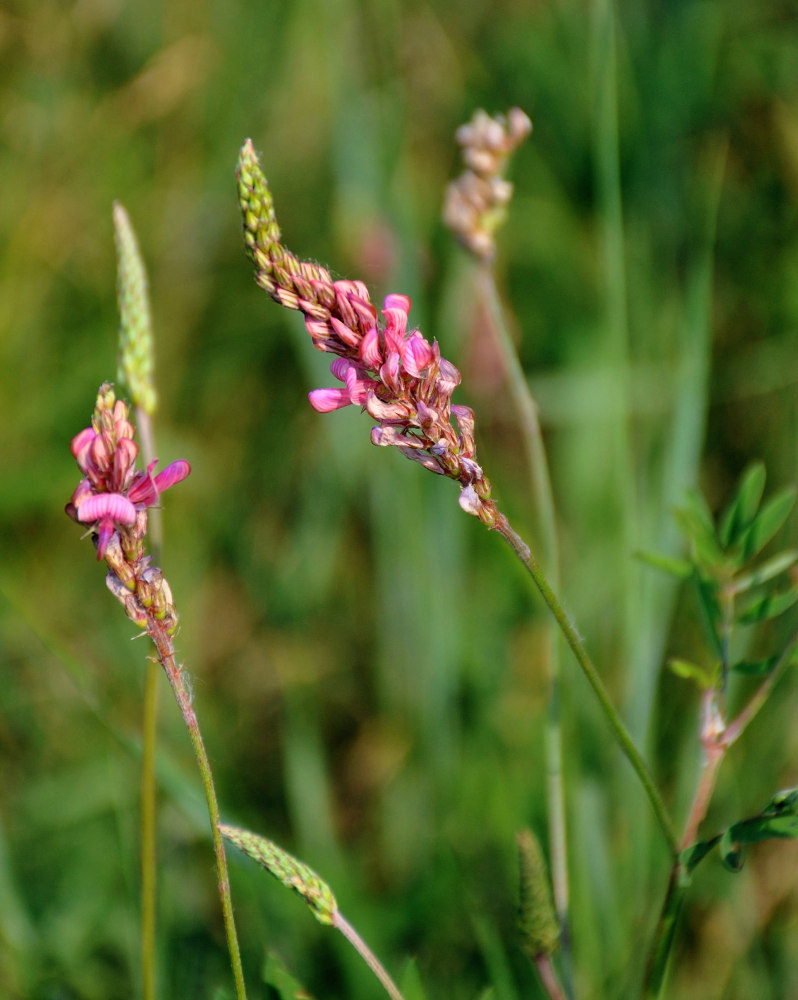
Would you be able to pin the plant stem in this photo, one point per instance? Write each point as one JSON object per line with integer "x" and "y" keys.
{"x": 166, "y": 656}
{"x": 663, "y": 937}
{"x": 548, "y": 977}
{"x": 149, "y": 872}
{"x": 529, "y": 426}
{"x": 735, "y": 729}
{"x": 619, "y": 730}
{"x": 367, "y": 955}
{"x": 716, "y": 741}
{"x": 148, "y": 837}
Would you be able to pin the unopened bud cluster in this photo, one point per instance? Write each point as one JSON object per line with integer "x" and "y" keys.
{"x": 112, "y": 499}
{"x": 397, "y": 375}
{"x": 475, "y": 204}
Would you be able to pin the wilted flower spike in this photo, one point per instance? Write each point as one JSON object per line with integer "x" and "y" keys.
{"x": 475, "y": 203}
{"x": 392, "y": 371}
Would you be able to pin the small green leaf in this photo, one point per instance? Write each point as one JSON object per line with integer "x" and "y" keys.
{"x": 692, "y": 856}
{"x": 767, "y": 522}
{"x": 708, "y": 600}
{"x": 778, "y": 820}
{"x": 743, "y": 506}
{"x": 281, "y": 981}
{"x": 703, "y": 676}
{"x": 767, "y": 571}
{"x": 410, "y": 984}
{"x": 756, "y": 668}
{"x": 695, "y": 520}
{"x": 767, "y": 606}
{"x": 680, "y": 568}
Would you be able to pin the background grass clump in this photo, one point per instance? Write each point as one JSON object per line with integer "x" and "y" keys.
{"x": 365, "y": 660}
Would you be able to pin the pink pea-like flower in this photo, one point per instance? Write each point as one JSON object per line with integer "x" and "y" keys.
{"x": 106, "y": 505}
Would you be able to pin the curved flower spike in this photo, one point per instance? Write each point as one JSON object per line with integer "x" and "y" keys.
{"x": 398, "y": 375}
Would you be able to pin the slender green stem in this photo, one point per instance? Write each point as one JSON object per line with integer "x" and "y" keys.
{"x": 367, "y": 955}
{"x": 619, "y": 730}
{"x": 532, "y": 437}
{"x": 149, "y": 860}
{"x": 166, "y": 656}
{"x": 663, "y": 938}
{"x": 735, "y": 729}
{"x": 148, "y": 838}
{"x": 717, "y": 741}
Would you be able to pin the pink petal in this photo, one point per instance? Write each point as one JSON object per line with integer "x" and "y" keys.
{"x": 364, "y": 310}
{"x": 369, "y": 349}
{"x": 395, "y": 326}
{"x": 339, "y": 367}
{"x": 327, "y": 400}
{"x": 82, "y": 441}
{"x": 449, "y": 378}
{"x": 174, "y": 473}
{"x": 102, "y": 506}
{"x": 417, "y": 354}
{"x": 104, "y": 535}
{"x": 397, "y": 301}
{"x": 349, "y": 337}
{"x": 389, "y": 372}
{"x": 358, "y": 388}
{"x": 395, "y": 412}
{"x": 124, "y": 457}
{"x": 469, "y": 501}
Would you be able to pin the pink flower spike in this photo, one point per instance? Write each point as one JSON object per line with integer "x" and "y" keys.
{"x": 327, "y": 400}
{"x": 102, "y": 506}
{"x": 174, "y": 473}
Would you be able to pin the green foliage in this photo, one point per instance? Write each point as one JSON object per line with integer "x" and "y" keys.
{"x": 720, "y": 569}
{"x": 365, "y": 663}
{"x": 777, "y": 821}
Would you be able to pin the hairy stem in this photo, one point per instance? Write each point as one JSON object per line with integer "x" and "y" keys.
{"x": 148, "y": 836}
{"x": 619, "y": 730}
{"x": 532, "y": 438}
{"x": 166, "y": 656}
{"x": 149, "y": 873}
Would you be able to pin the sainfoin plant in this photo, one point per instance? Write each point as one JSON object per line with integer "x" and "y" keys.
{"x": 397, "y": 374}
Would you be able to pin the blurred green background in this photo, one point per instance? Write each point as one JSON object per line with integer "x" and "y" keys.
{"x": 367, "y": 660}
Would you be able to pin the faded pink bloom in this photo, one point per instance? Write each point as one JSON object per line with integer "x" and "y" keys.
{"x": 475, "y": 204}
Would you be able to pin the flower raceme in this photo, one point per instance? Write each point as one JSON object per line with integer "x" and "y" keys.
{"x": 396, "y": 375}
{"x": 112, "y": 499}
{"x": 112, "y": 492}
